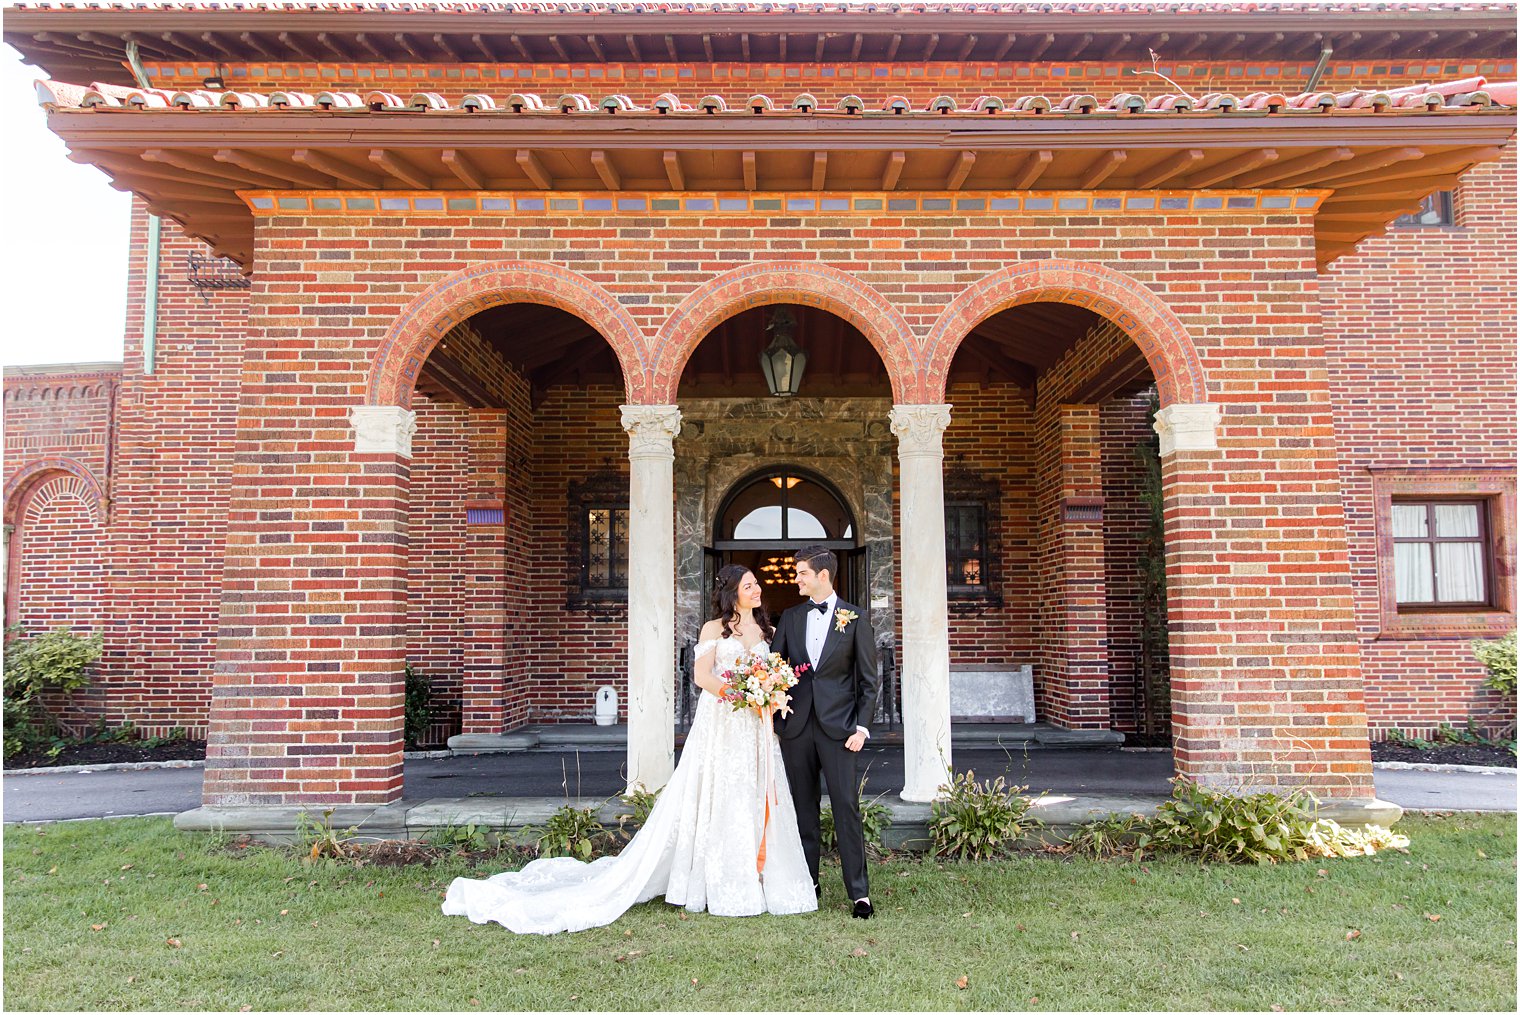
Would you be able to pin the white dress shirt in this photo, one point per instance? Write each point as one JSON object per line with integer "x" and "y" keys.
{"x": 818, "y": 631}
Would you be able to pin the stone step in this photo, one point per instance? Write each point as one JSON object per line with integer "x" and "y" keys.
{"x": 586, "y": 736}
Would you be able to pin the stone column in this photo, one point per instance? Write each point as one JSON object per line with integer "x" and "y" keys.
{"x": 651, "y": 593}
{"x": 920, "y": 433}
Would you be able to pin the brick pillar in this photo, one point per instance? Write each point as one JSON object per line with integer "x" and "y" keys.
{"x": 306, "y": 704}
{"x": 1265, "y": 666}
{"x": 486, "y": 605}
{"x": 1077, "y": 610}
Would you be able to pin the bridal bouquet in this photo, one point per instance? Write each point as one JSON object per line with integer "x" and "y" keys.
{"x": 759, "y": 682}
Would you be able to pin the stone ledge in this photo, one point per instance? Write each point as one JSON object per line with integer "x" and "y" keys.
{"x": 909, "y": 828}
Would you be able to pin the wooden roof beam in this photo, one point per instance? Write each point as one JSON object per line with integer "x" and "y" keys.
{"x": 960, "y": 170}
{"x": 893, "y": 46}
{"x": 1033, "y": 167}
{"x": 893, "y": 170}
{"x": 673, "y": 173}
{"x": 442, "y": 42}
{"x": 1359, "y": 167}
{"x": 670, "y": 49}
{"x": 1081, "y": 46}
{"x": 528, "y": 162}
{"x": 1004, "y": 46}
{"x": 1429, "y": 165}
{"x": 285, "y": 176}
{"x": 523, "y": 52}
{"x": 485, "y": 49}
{"x": 855, "y": 46}
{"x": 1230, "y": 167}
{"x": 820, "y": 169}
{"x": 751, "y": 171}
{"x": 335, "y": 46}
{"x": 1101, "y": 168}
{"x": 559, "y": 49}
{"x": 400, "y": 170}
{"x": 1046, "y": 41}
{"x": 1293, "y": 167}
{"x": 463, "y": 169}
{"x": 239, "y": 177}
{"x": 818, "y": 47}
{"x": 338, "y": 169}
{"x": 368, "y": 44}
{"x": 606, "y": 170}
{"x": 299, "y": 46}
{"x": 1168, "y": 168}
{"x": 1112, "y": 49}
{"x": 965, "y": 50}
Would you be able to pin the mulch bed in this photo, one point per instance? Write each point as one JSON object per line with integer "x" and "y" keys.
{"x": 1451, "y": 754}
{"x": 110, "y": 754}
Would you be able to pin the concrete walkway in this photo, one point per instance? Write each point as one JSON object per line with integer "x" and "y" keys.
{"x": 1082, "y": 773}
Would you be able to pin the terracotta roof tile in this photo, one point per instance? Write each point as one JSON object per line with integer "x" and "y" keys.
{"x": 1465, "y": 93}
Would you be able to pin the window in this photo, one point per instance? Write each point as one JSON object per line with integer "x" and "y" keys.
{"x": 971, "y": 540}
{"x": 784, "y": 507}
{"x": 1441, "y": 554}
{"x": 598, "y": 541}
{"x": 966, "y": 547}
{"x": 1445, "y": 563}
{"x": 604, "y": 566}
{"x": 1435, "y": 210}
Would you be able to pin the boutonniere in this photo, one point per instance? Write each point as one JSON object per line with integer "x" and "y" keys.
{"x": 842, "y": 619}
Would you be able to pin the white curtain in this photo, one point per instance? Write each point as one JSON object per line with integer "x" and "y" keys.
{"x": 1459, "y": 566}
{"x": 1413, "y": 576}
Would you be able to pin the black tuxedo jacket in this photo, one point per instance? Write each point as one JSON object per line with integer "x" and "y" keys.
{"x": 841, "y": 692}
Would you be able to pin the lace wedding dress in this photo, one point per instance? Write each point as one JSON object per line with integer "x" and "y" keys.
{"x": 699, "y": 848}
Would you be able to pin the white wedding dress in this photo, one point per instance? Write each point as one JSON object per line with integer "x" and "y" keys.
{"x": 699, "y": 848}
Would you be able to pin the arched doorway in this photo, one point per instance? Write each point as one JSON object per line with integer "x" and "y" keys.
{"x": 770, "y": 514}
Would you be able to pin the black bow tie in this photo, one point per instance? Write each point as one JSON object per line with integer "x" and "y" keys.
{"x": 822, "y": 607}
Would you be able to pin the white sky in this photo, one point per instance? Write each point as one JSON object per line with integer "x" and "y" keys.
{"x": 65, "y": 239}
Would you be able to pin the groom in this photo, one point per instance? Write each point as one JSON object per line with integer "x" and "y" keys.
{"x": 831, "y": 706}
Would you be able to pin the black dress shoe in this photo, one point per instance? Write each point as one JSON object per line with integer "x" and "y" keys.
{"x": 863, "y": 910}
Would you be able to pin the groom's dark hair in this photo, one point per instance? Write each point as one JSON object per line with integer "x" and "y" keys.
{"x": 819, "y": 558}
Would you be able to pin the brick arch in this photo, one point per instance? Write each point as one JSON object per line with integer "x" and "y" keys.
{"x": 455, "y": 298}
{"x": 34, "y": 475}
{"x": 767, "y": 283}
{"x": 1137, "y": 310}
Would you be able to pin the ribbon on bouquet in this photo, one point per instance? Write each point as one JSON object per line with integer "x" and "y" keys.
{"x": 767, "y": 747}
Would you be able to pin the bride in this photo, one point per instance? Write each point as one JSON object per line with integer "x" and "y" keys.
{"x": 721, "y": 837}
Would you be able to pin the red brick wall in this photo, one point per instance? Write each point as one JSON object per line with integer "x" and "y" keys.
{"x": 1420, "y": 341}
{"x": 990, "y": 437}
{"x": 1125, "y": 424}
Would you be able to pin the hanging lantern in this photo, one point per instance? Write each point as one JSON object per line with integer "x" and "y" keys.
{"x": 783, "y": 360}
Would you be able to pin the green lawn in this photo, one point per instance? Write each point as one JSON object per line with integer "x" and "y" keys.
{"x": 257, "y": 928}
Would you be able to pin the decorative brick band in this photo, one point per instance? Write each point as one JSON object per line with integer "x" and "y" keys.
{"x": 381, "y": 203}
{"x": 455, "y": 298}
{"x": 1142, "y": 315}
{"x": 32, "y": 475}
{"x": 767, "y": 283}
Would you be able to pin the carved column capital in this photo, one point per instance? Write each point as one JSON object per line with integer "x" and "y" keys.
{"x": 383, "y": 429}
{"x": 920, "y": 429}
{"x": 651, "y": 430}
{"x": 1188, "y": 426}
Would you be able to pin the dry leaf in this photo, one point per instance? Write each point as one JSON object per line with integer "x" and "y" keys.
{"x": 246, "y": 1007}
{"x": 628, "y": 933}
{"x": 1075, "y": 935}
{"x": 1398, "y": 976}
{"x": 52, "y": 870}
{"x": 1433, "y": 917}
{"x": 200, "y": 888}
{"x": 965, "y": 914}
{"x": 1034, "y": 1000}
{"x": 1277, "y": 1007}
{"x": 1236, "y": 901}
{"x": 859, "y": 953}
{"x": 1322, "y": 873}
{"x": 435, "y": 942}
{"x": 126, "y": 866}
{"x": 963, "y": 983}
{"x": 174, "y": 942}
{"x": 1482, "y": 855}
{"x": 1244, "y": 948}
{"x": 97, "y": 926}
{"x": 131, "y": 979}
{"x": 475, "y": 1001}
{"x": 1019, "y": 927}
{"x": 1352, "y": 935}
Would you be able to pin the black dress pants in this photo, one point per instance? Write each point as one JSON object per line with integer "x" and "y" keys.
{"x": 807, "y": 755}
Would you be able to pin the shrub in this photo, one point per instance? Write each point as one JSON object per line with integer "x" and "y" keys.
{"x": 316, "y": 839}
{"x": 1399, "y": 738}
{"x": 976, "y": 821}
{"x": 570, "y": 831}
{"x": 1258, "y": 827}
{"x": 417, "y": 714}
{"x": 469, "y": 837}
{"x": 1115, "y": 835}
{"x": 58, "y": 660}
{"x": 1498, "y": 656}
{"x": 875, "y": 818}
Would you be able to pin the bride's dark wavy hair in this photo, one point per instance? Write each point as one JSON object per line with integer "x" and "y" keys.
{"x": 725, "y": 601}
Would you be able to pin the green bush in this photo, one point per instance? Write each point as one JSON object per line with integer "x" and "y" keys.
{"x": 1499, "y": 657}
{"x": 58, "y": 660}
{"x": 1259, "y": 827}
{"x": 468, "y": 837}
{"x": 1399, "y": 738}
{"x": 875, "y": 818}
{"x": 1115, "y": 835}
{"x": 417, "y": 714}
{"x": 976, "y": 821}
{"x": 570, "y": 831}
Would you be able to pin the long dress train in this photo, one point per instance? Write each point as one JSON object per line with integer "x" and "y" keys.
{"x": 699, "y": 847}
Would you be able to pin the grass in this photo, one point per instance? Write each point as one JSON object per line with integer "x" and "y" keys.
{"x": 257, "y": 928}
